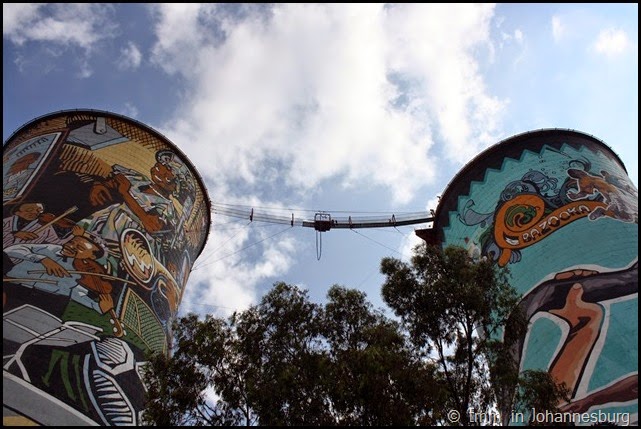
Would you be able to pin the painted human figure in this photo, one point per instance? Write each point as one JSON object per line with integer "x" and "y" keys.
{"x": 621, "y": 199}
{"x": 25, "y": 226}
{"x": 148, "y": 201}
{"x": 134, "y": 201}
{"x": 574, "y": 296}
{"x": 68, "y": 270}
{"x": 585, "y": 319}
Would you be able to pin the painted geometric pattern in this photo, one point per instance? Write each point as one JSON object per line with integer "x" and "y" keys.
{"x": 139, "y": 318}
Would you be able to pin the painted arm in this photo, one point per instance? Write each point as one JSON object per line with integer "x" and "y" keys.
{"x": 35, "y": 253}
{"x": 584, "y": 319}
{"x": 151, "y": 222}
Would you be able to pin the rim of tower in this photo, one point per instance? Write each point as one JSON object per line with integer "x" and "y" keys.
{"x": 510, "y": 147}
{"x": 150, "y": 129}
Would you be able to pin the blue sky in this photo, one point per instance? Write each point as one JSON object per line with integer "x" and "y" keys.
{"x": 351, "y": 109}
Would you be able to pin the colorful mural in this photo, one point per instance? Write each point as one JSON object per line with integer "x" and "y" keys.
{"x": 102, "y": 220}
{"x": 557, "y": 208}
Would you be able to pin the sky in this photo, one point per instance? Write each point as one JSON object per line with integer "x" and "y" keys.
{"x": 348, "y": 109}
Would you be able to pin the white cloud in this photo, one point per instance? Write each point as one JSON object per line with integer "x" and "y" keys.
{"x": 69, "y": 24}
{"x": 611, "y": 42}
{"x": 558, "y": 28}
{"x": 392, "y": 85}
{"x": 518, "y": 36}
{"x": 130, "y": 110}
{"x": 307, "y": 93}
{"x": 15, "y": 16}
{"x": 435, "y": 45}
{"x": 130, "y": 57}
{"x": 85, "y": 71}
{"x": 224, "y": 281}
{"x": 179, "y": 34}
{"x": 412, "y": 240}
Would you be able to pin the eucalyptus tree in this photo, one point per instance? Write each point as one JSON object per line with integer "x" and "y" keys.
{"x": 289, "y": 361}
{"x": 455, "y": 309}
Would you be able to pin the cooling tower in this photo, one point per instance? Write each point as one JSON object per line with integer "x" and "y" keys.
{"x": 103, "y": 218}
{"x": 558, "y": 209}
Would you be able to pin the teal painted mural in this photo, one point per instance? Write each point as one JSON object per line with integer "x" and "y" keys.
{"x": 558, "y": 209}
{"x": 102, "y": 220}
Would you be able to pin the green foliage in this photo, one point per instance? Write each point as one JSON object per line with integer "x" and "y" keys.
{"x": 288, "y": 361}
{"x": 176, "y": 385}
{"x": 454, "y": 309}
{"x": 538, "y": 390}
{"x": 376, "y": 378}
{"x": 291, "y": 362}
{"x": 280, "y": 340}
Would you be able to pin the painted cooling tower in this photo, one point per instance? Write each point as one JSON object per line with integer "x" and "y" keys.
{"x": 557, "y": 207}
{"x": 103, "y": 218}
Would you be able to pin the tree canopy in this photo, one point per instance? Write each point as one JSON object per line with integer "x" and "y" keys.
{"x": 454, "y": 309}
{"x": 290, "y": 361}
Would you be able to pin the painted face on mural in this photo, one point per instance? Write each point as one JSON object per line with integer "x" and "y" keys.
{"x": 29, "y": 211}
{"x": 164, "y": 177}
{"x": 80, "y": 248}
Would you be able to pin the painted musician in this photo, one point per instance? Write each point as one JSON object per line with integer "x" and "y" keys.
{"x": 149, "y": 201}
{"x": 135, "y": 201}
{"x": 26, "y": 225}
{"x": 68, "y": 270}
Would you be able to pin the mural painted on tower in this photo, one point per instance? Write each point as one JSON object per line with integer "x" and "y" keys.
{"x": 102, "y": 221}
{"x": 557, "y": 208}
